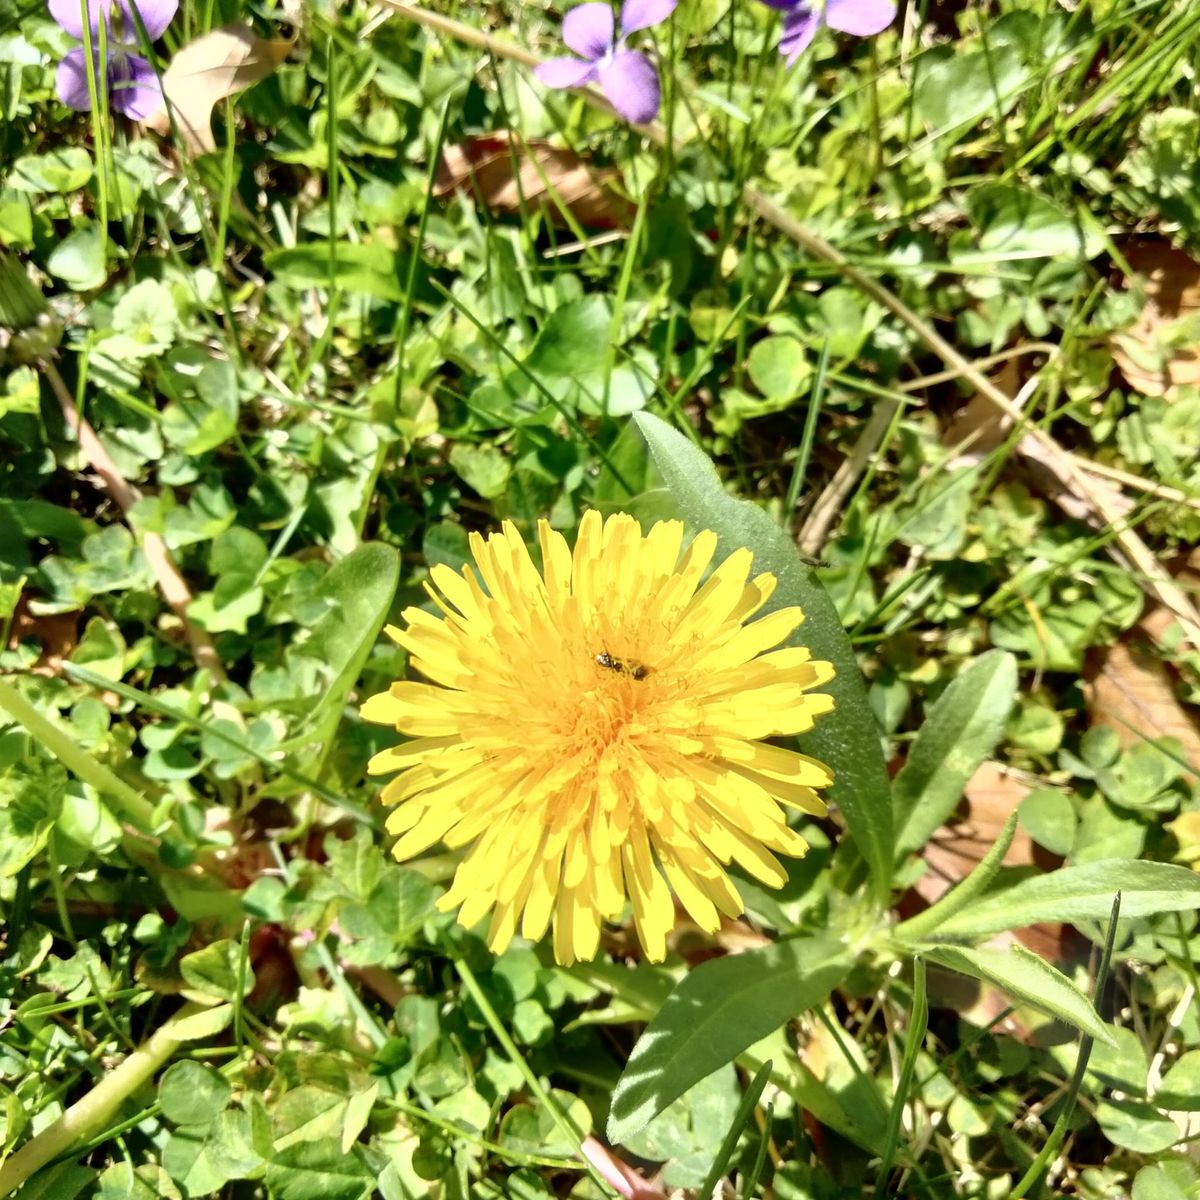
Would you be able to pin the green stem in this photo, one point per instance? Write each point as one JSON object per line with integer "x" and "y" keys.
{"x": 135, "y": 808}
{"x": 84, "y": 1119}
{"x": 559, "y": 1115}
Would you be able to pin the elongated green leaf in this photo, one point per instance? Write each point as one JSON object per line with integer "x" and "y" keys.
{"x": 1028, "y": 979}
{"x": 1082, "y": 893}
{"x": 975, "y": 884}
{"x": 360, "y": 589}
{"x": 847, "y": 740}
{"x": 962, "y": 728}
{"x": 370, "y": 270}
{"x": 720, "y": 1009}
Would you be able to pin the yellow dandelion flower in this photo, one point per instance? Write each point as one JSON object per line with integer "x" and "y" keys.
{"x": 593, "y": 732}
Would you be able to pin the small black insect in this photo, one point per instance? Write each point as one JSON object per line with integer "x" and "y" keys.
{"x": 627, "y": 667}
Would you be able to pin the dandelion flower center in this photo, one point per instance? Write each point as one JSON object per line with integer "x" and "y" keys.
{"x": 592, "y": 733}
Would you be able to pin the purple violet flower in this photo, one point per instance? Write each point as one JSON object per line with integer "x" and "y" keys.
{"x": 628, "y": 78}
{"x": 802, "y": 19}
{"x": 130, "y": 79}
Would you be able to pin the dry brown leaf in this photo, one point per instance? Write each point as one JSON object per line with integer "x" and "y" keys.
{"x": 1157, "y": 356}
{"x": 216, "y": 65}
{"x": 56, "y": 633}
{"x": 1132, "y": 691}
{"x": 505, "y": 173}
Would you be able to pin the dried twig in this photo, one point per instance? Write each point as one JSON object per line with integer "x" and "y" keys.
{"x": 170, "y": 582}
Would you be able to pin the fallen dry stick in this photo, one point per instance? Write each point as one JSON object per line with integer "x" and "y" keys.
{"x": 170, "y": 582}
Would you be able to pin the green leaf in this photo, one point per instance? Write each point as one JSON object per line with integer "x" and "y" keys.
{"x": 1016, "y": 223}
{"x": 359, "y": 590}
{"x": 1180, "y": 1087}
{"x": 778, "y": 367}
{"x": 960, "y": 731}
{"x": 722, "y": 1008}
{"x": 123, "y": 1181}
{"x": 368, "y": 270}
{"x": 956, "y": 88}
{"x": 1028, "y": 979}
{"x": 31, "y": 796}
{"x": 79, "y": 261}
{"x": 63, "y": 1181}
{"x": 1081, "y": 893}
{"x": 574, "y": 340}
{"x": 846, "y": 740}
{"x": 1172, "y": 1179}
{"x": 319, "y": 1171}
{"x": 215, "y": 971}
{"x": 1137, "y": 1126}
{"x": 1048, "y": 816}
{"x": 190, "y": 1093}
{"x": 65, "y": 170}
{"x": 931, "y": 920}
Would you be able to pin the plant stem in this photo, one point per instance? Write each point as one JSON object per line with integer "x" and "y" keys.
{"x": 84, "y": 1119}
{"x": 135, "y": 808}
{"x": 170, "y": 582}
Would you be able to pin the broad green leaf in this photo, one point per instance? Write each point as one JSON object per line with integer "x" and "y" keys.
{"x": 723, "y": 1007}
{"x": 778, "y": 366}
{"x": 1137, "y": 1126}
{"x": 847, "y": 740}
{"x": 62, "y": 1181}
{"x": 960, "y": 731}
{"x": 1175, "y": 1178}
{"x": 1180, "y": 1088}
{"x": 1028, "y": 979}
{"x": 1080, "y": 893}
{"x": 319, "y": 1171}
{"x": 199, "y": 1026}
{"x": 191, "y": 1093}
{"x": 78, "y": 260}
{"x": 215, "y": 971}
{"x": 63, "y": 170}
{"x": 573, "y": 341}
{"x": 359, "y": 590}
{"x": 369, "y": 270}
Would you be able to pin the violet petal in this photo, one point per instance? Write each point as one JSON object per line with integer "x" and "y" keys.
{"x": 69, "y": 14}
{"x": 156, "y": 16}
{"x": 136, "y": 91}
{"x": 588, "y": 29}
{"x": 782, "y": 5}
{"x": 565, "y": 72}
{"x": 799, "y": 28}
{"x": 630, "y": 82}
{"x": 641, "y": 14}
{"x": 862, "y": 18}
{"x": 70, "y": 80}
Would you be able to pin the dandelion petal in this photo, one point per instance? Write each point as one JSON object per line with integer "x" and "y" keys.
{"x": 799, "y": 28}
{"x": 135, "y": 88}
{"x": 565, "y": 72}
{"x": 588, "y": 29}
{"x": 70, "y": 81}
{"x": 631, "y": 84}
{"x": 862, "y": 18}
{"x": 641, "y": 14}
